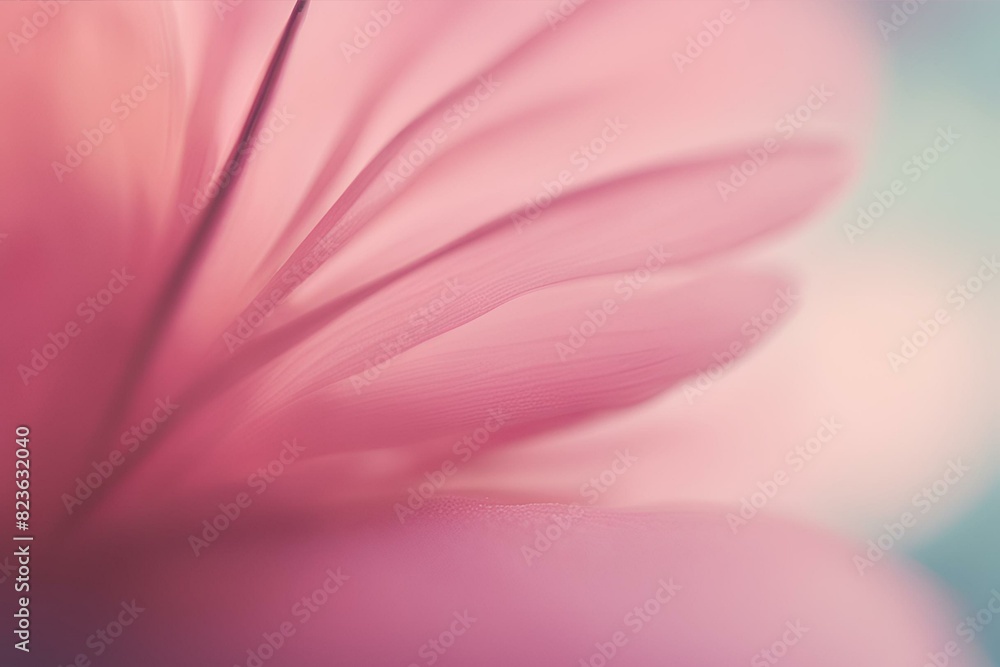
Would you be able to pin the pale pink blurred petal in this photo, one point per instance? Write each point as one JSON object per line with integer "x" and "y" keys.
{"x": 333, "y": 171}
{"x": 520, "y": 368}
{"x": 714, "y": 598}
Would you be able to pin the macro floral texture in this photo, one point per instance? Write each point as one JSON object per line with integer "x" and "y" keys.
{"x": 327, "y": 298}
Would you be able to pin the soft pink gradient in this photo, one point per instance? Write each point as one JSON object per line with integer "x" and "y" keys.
{"x": 394, "y": 248}
{"x": 737, "y": 592}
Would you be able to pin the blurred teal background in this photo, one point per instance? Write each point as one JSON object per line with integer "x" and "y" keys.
{"x": 943, "y": 68}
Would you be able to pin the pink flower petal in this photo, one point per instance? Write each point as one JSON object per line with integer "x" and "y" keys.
{"x": 544, "y": 585}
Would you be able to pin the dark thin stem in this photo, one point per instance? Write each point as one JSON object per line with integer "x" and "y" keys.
{"x": 167, "y": 302}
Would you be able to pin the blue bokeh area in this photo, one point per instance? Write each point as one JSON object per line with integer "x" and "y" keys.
{"x": 944, "y": 68}
{"x": 966, "y": 556}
